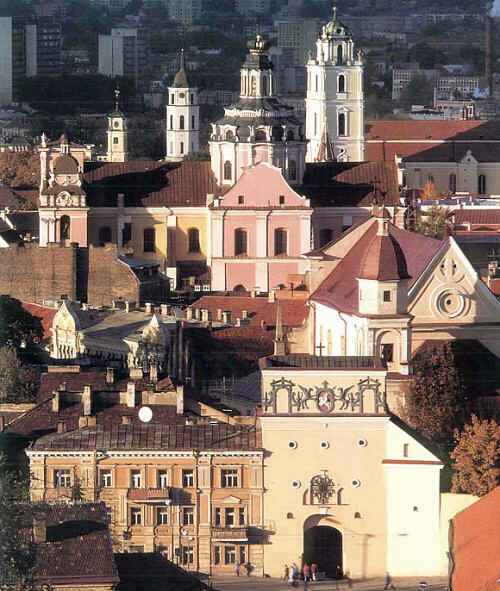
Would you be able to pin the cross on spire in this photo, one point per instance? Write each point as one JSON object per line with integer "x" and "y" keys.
{"x": 117, "y": 98}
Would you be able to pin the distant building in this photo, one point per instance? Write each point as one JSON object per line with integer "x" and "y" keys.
{"x": 405, "y": 73}
{"x": 298, "y": 35}
{"x": 123, "y": 53}
{"x": 43, "y": 48}
{"x": 253, "y": 7}
{"x": 185, "y": 12}
{"x": 13, "y": 62}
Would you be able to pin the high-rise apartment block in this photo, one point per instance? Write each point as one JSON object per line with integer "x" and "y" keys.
{"x": 123, "y": 53}
{"x": 13, "y": 61}
{"x": 186, "y": 12}
{"x": 253, "y": 7}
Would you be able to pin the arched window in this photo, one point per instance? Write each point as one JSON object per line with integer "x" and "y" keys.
{"x": 329, "y": 342}
{"x": 240, "y": 242}
{"x": 229, "y": 135}
{"x": 325, "y": 236}
{"x": 481, "y": 184}
{"x": 171, "y": 121}
{"x": 244, "y": 85}
{"x": 277, "y": 133}
{"x": 280, "y": 241}
{"x": 65, "y": 227}
{"x": 341, "y": 83}
{"x": 260, "y": 135}
{"x": 193, "y": 122}
{"x": 104, "y": 235}
{"x": 292, "y": 170}
{"x": 265, "y": 91}
{"x": 228, "y": 171}
{"x": 181, "y": 122}
{"x": 290, "y": 136}
{"x": 182, "y": 147}
{"x": 191, "y": 98}
{"x": 453, "y": 183}
{"x": 149, "y": 240}
{"x": 172, "y": 99}
{"x": 342, "y": 124}
{"x": 253, "y": 86}
{"x": 340, "y": 54}
{"x": 194, "y": 240}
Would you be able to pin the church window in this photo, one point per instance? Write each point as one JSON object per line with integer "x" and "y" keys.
{"x": 280, "y": 241}
{"x": 481, "y": 184}
{"x": 292, "y": 445}
{"x": 342, "y": 126}
{"x": 357, "y": 515}
{"x": 387, "y": 295}
{"x": 253, "y": 89}
{"x": 181, "y": 122}
{"x": 282, "y": 200}
{"x": 65, "y": 227}
{"x": 453, "y": 183}
{"x": 194, "y": 240}
{"x": 193, "y": 121}
{"x": 340, "y": 54}
{"x": 115, "y": 140}
{"x": 341, "y": 83}
{"x": 244, "y": 85}
{"x": 290, "y": 136}
{"x": 406, "y": 448}
{"x": 104, "y": 235}
{"x": 260, "y": 135}
{"x": 387, "y": 352}
{"x": 228, "y": 171}
{"x": 229, "y": 135}
{"x": 292, "y": 170}
{"x": 171, "y": 147}
{"x": 240, "y": 242}
{"x": 171, "y": 121}
{"x": 329, "y": 342}
{"x": 277, "y": 133}
{"x": 325, "y": 236}
{"x": 149, "y": 240}
{"x": 117, "y": 124}
{"x": 182, "y": 147}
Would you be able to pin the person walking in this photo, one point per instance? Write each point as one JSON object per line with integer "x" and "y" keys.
{"x": 314, "y": 571}
{"x": 248, "y": 568}
{"x": 286, "y": 573}
{"x": 237, "y": 569}
{"x": 291, "y": 577}
{"x": 388, "y": 584}
{"x": 306, "y": 572}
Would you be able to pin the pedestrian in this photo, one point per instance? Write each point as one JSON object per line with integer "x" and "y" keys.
{"x": 286, "y": 573}
{"x": 306, "y": 572}
{"x": 295, "y": 570}
{"x": 291, "y": 577}
{"x": 237, "y": 569}
{"x": 388, "y": 584}
{"x": 314, "y": 571}
{"x": 248, "y": 568}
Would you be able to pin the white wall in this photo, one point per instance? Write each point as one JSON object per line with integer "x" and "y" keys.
{"x": 352, "y": 329}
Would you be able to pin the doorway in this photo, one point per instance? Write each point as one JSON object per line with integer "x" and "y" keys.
{"x": 323, "y": 545}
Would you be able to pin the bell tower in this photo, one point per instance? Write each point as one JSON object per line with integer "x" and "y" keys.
{"x": 183, "y": 117}
{"x": 335, "y": 102}
{"x": 117, "y": 133}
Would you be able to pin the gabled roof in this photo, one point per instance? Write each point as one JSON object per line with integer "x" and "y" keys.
{"x": 147, "y": 183}
{"x": 339, "y": 289}
{"x": 477, "y": 216}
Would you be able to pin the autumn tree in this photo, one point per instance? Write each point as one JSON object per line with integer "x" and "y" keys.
{"x": 20, "y": 170}
{"x": 18, "y": 328}
{"x": 436, "y": 404}
{"x": 476, "y": 457}
{"x": 432, "y": 222}
{"x": 18, "y": 382}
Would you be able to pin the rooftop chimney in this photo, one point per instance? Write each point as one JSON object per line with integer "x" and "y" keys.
{"x": 56, "y": 402}
{"x": 126, "y": 420}
{"x": 130, "y": 395}
{"x": 110, "y": 375}
{"x": 87, "y": 401}
{"x": 61, "y": 427}
{"x": 39, "y": 530}
{"x": 153, "y": 373}
{"x": 149, "y": 308}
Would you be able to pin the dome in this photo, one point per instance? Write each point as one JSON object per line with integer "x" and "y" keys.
{"x": 180, "y": 80}
{"x": 384, "y": 259}
{"x": 65, "y": 165}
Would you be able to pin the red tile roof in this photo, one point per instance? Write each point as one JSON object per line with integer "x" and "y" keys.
{"x": 490, "y": 216}
{"x": 412, "y": 129}
{"x": 46, "y": 316}
{"x": 150, "y": 183}
{"x": 153, "y": 436}
{"x": 78, "y": 549}
{"x": 15, "y": 199}
{"x": 340, "y": 288}
{"x": 383, "y": 260}
{"x": 475, "y": 545}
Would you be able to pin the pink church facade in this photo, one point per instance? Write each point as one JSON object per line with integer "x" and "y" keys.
{"x": 259, "y": 229}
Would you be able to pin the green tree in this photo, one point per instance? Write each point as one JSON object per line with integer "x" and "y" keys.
{"x": 18, "y": 328}
{"x": 432, "y": 222}
{"x": 17, "y": 556}
{"x": 18, "y": 382}
{"x": 476, "y": 457}
{"x": 436, "y": 404}
{"x": 419, "y": 91}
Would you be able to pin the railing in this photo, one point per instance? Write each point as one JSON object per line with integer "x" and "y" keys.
{"x": 231, "y": 534}
{"x": 150, "y": 495}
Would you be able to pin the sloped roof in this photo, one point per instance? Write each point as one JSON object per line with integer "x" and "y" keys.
{"x": 45, "y": 314}
{"x": 383, "y": 260}
{"x": 146, "y": 183}
{"x": 477, "y": 216}
{"x": 340, "y": 289}
{"x": 351, "y": 184}
{"x": 78, "y": 549}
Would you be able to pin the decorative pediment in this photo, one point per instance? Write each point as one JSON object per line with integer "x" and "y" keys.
{"x": 469, "y": 158}
{"x": 231, "y": 500}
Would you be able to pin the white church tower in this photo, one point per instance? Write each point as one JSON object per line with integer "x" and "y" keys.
{"x": 183, "y": 117}
{"x": 117, "y": 133}
{"x": 335, "y": 103}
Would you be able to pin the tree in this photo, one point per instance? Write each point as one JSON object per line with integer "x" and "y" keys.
{"x": 17, "y": 556}
{"x": 419, "y": 91}
{"x": 432, "y": 222}
{"x": 436, "y": 404}
{"x": 18, "y": 382}
{"x": 18, "y": 328}
{"x": 20, "y": 170}
{"x": 476, "y": 457}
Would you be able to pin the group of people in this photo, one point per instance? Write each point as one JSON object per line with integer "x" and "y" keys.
{"x": 242, "y": 565}
{"x": 291, "y": 574}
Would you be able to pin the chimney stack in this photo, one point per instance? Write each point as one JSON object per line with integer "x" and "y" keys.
{"x": 39, "y": 530}
{"x": 153, "y": 373}
{"x": 87, "y": 401}
{"x": 56, "y": 401}
{"x": 61, "y": 427}
{"x": 110, "y": 375}
{"x": 130, "y": 395}
{"x": 149, "y": 308}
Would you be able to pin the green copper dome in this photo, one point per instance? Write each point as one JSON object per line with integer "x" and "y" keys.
{"x": 335, "y": 28}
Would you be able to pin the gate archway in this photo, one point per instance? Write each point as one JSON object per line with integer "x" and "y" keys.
{"x": 323, "y": 546}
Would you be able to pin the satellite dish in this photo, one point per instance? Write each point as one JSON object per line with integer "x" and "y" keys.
{"x": 145, "y": 414}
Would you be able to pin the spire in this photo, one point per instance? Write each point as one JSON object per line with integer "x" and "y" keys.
{"x": 325, "y": 148}
{"x": 117, "y": 98}
{"x": 180, "y": 80}
{"x": 279, "y": 336}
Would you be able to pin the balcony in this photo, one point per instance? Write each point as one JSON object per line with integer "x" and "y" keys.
{"x": 150, "y": 495}
{"x": 230, "y": 534}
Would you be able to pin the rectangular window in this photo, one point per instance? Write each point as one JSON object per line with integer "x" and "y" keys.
{"x": 243, "y": 555}
{"x": 161, "y": 515}
{"x": 162, "y": 479}
{"x": 216, "y": 554}
{"x": 135, "y": 516}
{"x": 62, "y": 478}
{"x": 187, "y": 478}
{"x": 387, "y": 352}
{"x": 241, "y": 199}
{"x": 217, "y": 517}
{"x": 242, "y": 516}
{"x": 282, "y": 200}
{"x": 135, "y": 479}
{"x": 187, "y": 515}
{"x": 229, "y": 516}
{"x": 187, "y": 555}
{"x": 406, "y": 448}
{"x": 127, "y": 232}
{"x": 387, "y": 296}
{"x": 229, "y": 478}
{"x": 115, "y": 140}
{"x": 192, "y": 122}
{"x": 229, "y": 554}
{"x": 105, "y": 479}
{"x": 182, "y": 147}
{"x": 172, "y": 99}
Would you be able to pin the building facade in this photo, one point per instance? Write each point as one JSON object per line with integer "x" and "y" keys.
{"x": 334, "y": 103}
{"x": 117, "y": 133}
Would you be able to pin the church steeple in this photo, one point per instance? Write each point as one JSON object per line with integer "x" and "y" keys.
{"x": 183, "y": 116}
{"x": 117, "y": 133}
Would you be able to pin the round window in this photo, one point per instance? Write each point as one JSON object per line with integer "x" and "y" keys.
{"x": 362, "y": 443}
{"x": 451, "y": 303}
{"x": 292, "y": 445}
{"x": 356, "y": 483}
{"x": 324, "y": 445}
{"x": 295, "y": 483}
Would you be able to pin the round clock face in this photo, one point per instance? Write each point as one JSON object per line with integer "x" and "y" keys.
{"x": 325, "y": 401}
{"x": 63, "y": 199}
